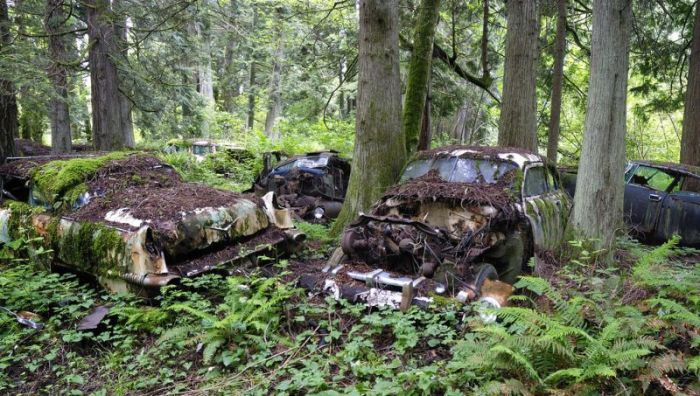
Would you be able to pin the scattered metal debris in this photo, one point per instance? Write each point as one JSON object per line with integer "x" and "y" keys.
{"x": 26, "y": 318}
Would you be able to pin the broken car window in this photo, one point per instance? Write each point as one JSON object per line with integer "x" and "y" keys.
{"x": 535, "y": 182}
{"x": 201, "y": 150}
{"x": 653, "y": 178}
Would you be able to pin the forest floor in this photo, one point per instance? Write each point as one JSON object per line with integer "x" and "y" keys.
{"x": 574, "y": 326}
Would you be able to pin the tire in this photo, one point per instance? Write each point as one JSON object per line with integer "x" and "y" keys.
{"x": 485, "y": 271}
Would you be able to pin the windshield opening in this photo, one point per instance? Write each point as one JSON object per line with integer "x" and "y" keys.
{"x": 459, "y": 170}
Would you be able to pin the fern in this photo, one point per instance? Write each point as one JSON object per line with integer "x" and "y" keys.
{"x": 242, "y": 319}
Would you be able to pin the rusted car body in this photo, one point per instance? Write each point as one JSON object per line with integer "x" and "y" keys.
{"x": 313, "y": 185}
{"x": 130, "y": 221}
{"x": 458, "y": 217}
{"x": 661, "y": 200}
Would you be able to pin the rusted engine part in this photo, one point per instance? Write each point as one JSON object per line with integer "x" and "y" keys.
{"x": 382, "y": 288}
{"x": 440, "y": 241}
{"x": 311, "y": 208}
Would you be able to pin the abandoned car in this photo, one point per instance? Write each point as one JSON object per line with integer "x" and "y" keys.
{"x": 313, "y": 185}
{"x": 661, "y": 200}
{"x": 460, "y": 218}
{"x": 131, "y": 222}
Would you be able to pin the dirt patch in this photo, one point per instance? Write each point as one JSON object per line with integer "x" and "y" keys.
{"x": 29, "y": 148}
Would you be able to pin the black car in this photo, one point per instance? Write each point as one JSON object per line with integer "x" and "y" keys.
{"x": 313, "y": 185}
{"x": 661, "y": 199}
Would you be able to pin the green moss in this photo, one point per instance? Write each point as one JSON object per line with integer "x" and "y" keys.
{"x": 91, "y": 247}
{"x": 63, "y": 181}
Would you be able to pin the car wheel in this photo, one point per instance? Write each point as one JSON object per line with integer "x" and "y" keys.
{"x": 485, "y": 271}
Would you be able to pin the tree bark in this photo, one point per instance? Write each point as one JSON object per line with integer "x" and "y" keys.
{"x": 426, "y": 134}
{"x": 274, "y": 106}
{"x": 690, "y": 142}
{"x": 121, "y": 32}
{"x": 600, "y": 189}
{"x": 380, "y": 150}
{"x": 518, "y": 123}
{"x": 251, "y": 77}
{"x": 419, "y": 70}
{"x": 229, "y": 87}
{"x": 59, "y": 114}
{"x": 557, "y": 77}
{"x": 8, "y": 100}
{"x": 108, "y": 117}
{"x": 341, "y": 93}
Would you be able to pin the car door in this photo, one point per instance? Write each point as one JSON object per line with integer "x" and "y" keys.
{"x": 561, "y": 199}
{"x": 680, "y": 213}
{"x": 542, "y": 207}
{"x": 645, "y": 192}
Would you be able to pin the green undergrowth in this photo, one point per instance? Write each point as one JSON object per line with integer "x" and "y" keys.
{"x": 217, "y": 170}
{"x": 586, "y": 328}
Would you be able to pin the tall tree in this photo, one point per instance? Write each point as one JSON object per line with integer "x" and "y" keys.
{"x": 121, "y": 31}
{"x": 419, "y": 71}
{"x": 274, "y": 105}
{"x": 380, "y": 150}
{"x": 108, "y": 116}
{"x": 59, "y": 114}
{"x": 690, "y": 142}
{"x": 599, "y": 194}
{"x": 557, "y": 78}
{"x": 252, "y": 71}
{"x": 518, "y": 123}
{"x": 8, "y": 100}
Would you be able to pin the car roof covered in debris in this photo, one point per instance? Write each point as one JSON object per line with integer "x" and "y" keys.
{"x": 519, "y": 156}
{"x": 680, "y": 168}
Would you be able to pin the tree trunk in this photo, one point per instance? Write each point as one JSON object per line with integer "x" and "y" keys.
{"x": 341, "y": 93}
{"x": 600, "y": 190}
{"x": 419, "y": 70}
{"x": 8, "y": 101}
{"x": 229, "y": 87}
{"x": 518, "y": 123}
{"x": 251, "y": 77}
{"x": 425, "y": 124}
{"x": 58, "y": 104}
{"x": 459, "y": 123}
{"x": 380, "y": 151}
{"x": 108, "y": 118}
{"x": 121, "y": 32}
{"x": 274, "y": 106}
{"x": 690, "y": 142}
{"x": 557, "y": 77}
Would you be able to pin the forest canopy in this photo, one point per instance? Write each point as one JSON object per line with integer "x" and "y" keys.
{"x": 238, "y": 70}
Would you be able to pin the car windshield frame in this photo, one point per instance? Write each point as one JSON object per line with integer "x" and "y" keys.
{"x": 453, "y": 169}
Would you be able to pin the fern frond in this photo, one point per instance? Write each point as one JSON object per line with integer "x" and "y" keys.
{"x": 519, "y": 359}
